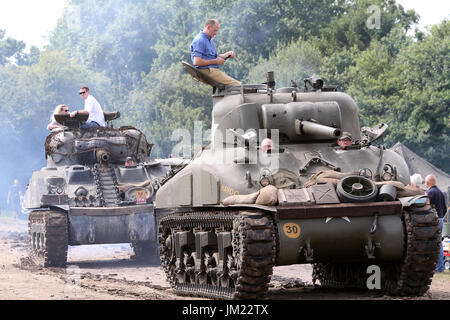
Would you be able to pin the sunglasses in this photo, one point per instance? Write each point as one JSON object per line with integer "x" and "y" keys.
{"x": 83, "y": 92}
{"x": 65, "y": 110}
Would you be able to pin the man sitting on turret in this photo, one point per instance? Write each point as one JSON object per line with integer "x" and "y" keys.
{"x": 204, "y": 54}
{"x": 92, "y": 108}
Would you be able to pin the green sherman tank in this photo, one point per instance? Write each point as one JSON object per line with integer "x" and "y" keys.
{"x": 87, "y": 194}
{"x": 343, "y": 210}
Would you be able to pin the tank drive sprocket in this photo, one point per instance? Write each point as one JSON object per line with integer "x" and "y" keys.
{"x": 48, "y": 234}
{"x": 218, "y": 254}
{"x": 409, "y": 277}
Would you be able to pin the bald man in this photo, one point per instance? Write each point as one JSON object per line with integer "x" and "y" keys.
{"x": 437, "y": 199}
{"x": 205, "y": 57}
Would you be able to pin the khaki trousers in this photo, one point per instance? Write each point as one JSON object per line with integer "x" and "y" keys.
{"x": 220, "y": 76}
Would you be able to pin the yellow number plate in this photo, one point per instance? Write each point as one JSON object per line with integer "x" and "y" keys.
{"x": 291, "y": 230}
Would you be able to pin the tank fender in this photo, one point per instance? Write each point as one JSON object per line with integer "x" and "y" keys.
{"x": 414, "y": 200}
{"x": 270, "y": 209}
{"x": 64, "y": 208}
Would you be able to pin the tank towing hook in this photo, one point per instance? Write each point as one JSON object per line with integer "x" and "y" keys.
{"x": 308, "y": 251}
{"x": 371, "y": 245}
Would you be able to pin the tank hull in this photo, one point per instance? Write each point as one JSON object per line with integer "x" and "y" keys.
{"x": 111, "y": 225}
{"x": 340, "y": 233}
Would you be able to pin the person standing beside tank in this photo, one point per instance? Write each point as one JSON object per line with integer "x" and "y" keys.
{"x": 60, "y": 109}
{"x": 14, "y": 194}
{"x": 416, "y": 181}
{"x": 205, "y": 57}
{"x": 437, "y": 199}
{"x": 92, "y": 108}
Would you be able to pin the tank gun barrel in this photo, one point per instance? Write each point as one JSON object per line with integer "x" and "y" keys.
{"x": 103, "y": 156}
{"x": 308, "y": 127}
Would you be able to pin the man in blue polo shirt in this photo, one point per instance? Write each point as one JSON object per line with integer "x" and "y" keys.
{"x": 204, "y": 54}
{"x": 437, "y": 199}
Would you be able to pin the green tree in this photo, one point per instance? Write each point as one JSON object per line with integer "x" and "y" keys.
{"x": 11, "y": 50}
{"x": 296, "y": 61}
{"x": 28, "y": 96}
{"x": 363, "y": 22}
{"x": 405, "y": 83}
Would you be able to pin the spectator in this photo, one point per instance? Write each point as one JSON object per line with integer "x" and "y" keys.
{"x": 416, "y": 181}
{"x": 437, "y": 200}
{"x": 14, "y": 194}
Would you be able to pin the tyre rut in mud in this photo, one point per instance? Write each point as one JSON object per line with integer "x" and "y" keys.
{"x": 409, "y": 277}
{"x": 48, "y": 233}
{"x": 219, "y": 255}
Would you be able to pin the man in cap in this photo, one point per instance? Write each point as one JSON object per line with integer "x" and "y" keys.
{"x": 345, "y": 140}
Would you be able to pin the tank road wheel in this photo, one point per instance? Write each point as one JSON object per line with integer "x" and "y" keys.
{"x": 408, "y": 277}
{"x": 146, "y": 251}
{"x": 48, "y": 233}
{"x": 220, "y": 255}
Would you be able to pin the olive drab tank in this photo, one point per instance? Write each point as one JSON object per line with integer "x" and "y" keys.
{"x": 340, "y": 209}
{"x": 86, "y": 194}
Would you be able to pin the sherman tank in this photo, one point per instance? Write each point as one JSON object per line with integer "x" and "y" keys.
{"x": 98, "y": 187}
{"x": 346, "y": 211}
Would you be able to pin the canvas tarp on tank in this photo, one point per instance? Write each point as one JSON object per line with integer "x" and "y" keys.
{"x": 416, "y": 164}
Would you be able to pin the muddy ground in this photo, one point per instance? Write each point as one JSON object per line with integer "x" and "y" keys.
{"x": 106, "y": 272}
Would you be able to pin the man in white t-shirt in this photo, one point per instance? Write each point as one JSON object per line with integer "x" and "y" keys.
{"x": 91, "y": 107}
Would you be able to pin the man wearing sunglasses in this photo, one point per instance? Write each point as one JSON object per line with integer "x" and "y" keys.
{"x": 92, "y": 108}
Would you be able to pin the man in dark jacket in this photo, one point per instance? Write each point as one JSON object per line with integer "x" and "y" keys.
{"x": 437, "y": 199}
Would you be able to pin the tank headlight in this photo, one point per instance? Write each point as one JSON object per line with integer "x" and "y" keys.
{"x": 264, "y": 181}
{"x": 81, "y": 192}
{"x": 387, "y": 176}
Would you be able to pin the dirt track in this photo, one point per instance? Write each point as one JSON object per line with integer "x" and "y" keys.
{"x": 106, "y": 272}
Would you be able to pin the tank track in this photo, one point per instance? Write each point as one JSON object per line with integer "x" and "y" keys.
{"x": 244, "y": 272}
{"x": 48, "y": 234}
{"x": 106, "y": 182}
{"x": 409, "y": 277}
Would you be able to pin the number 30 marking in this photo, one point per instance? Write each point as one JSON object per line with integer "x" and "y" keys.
{"x": 291, "y": 230}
